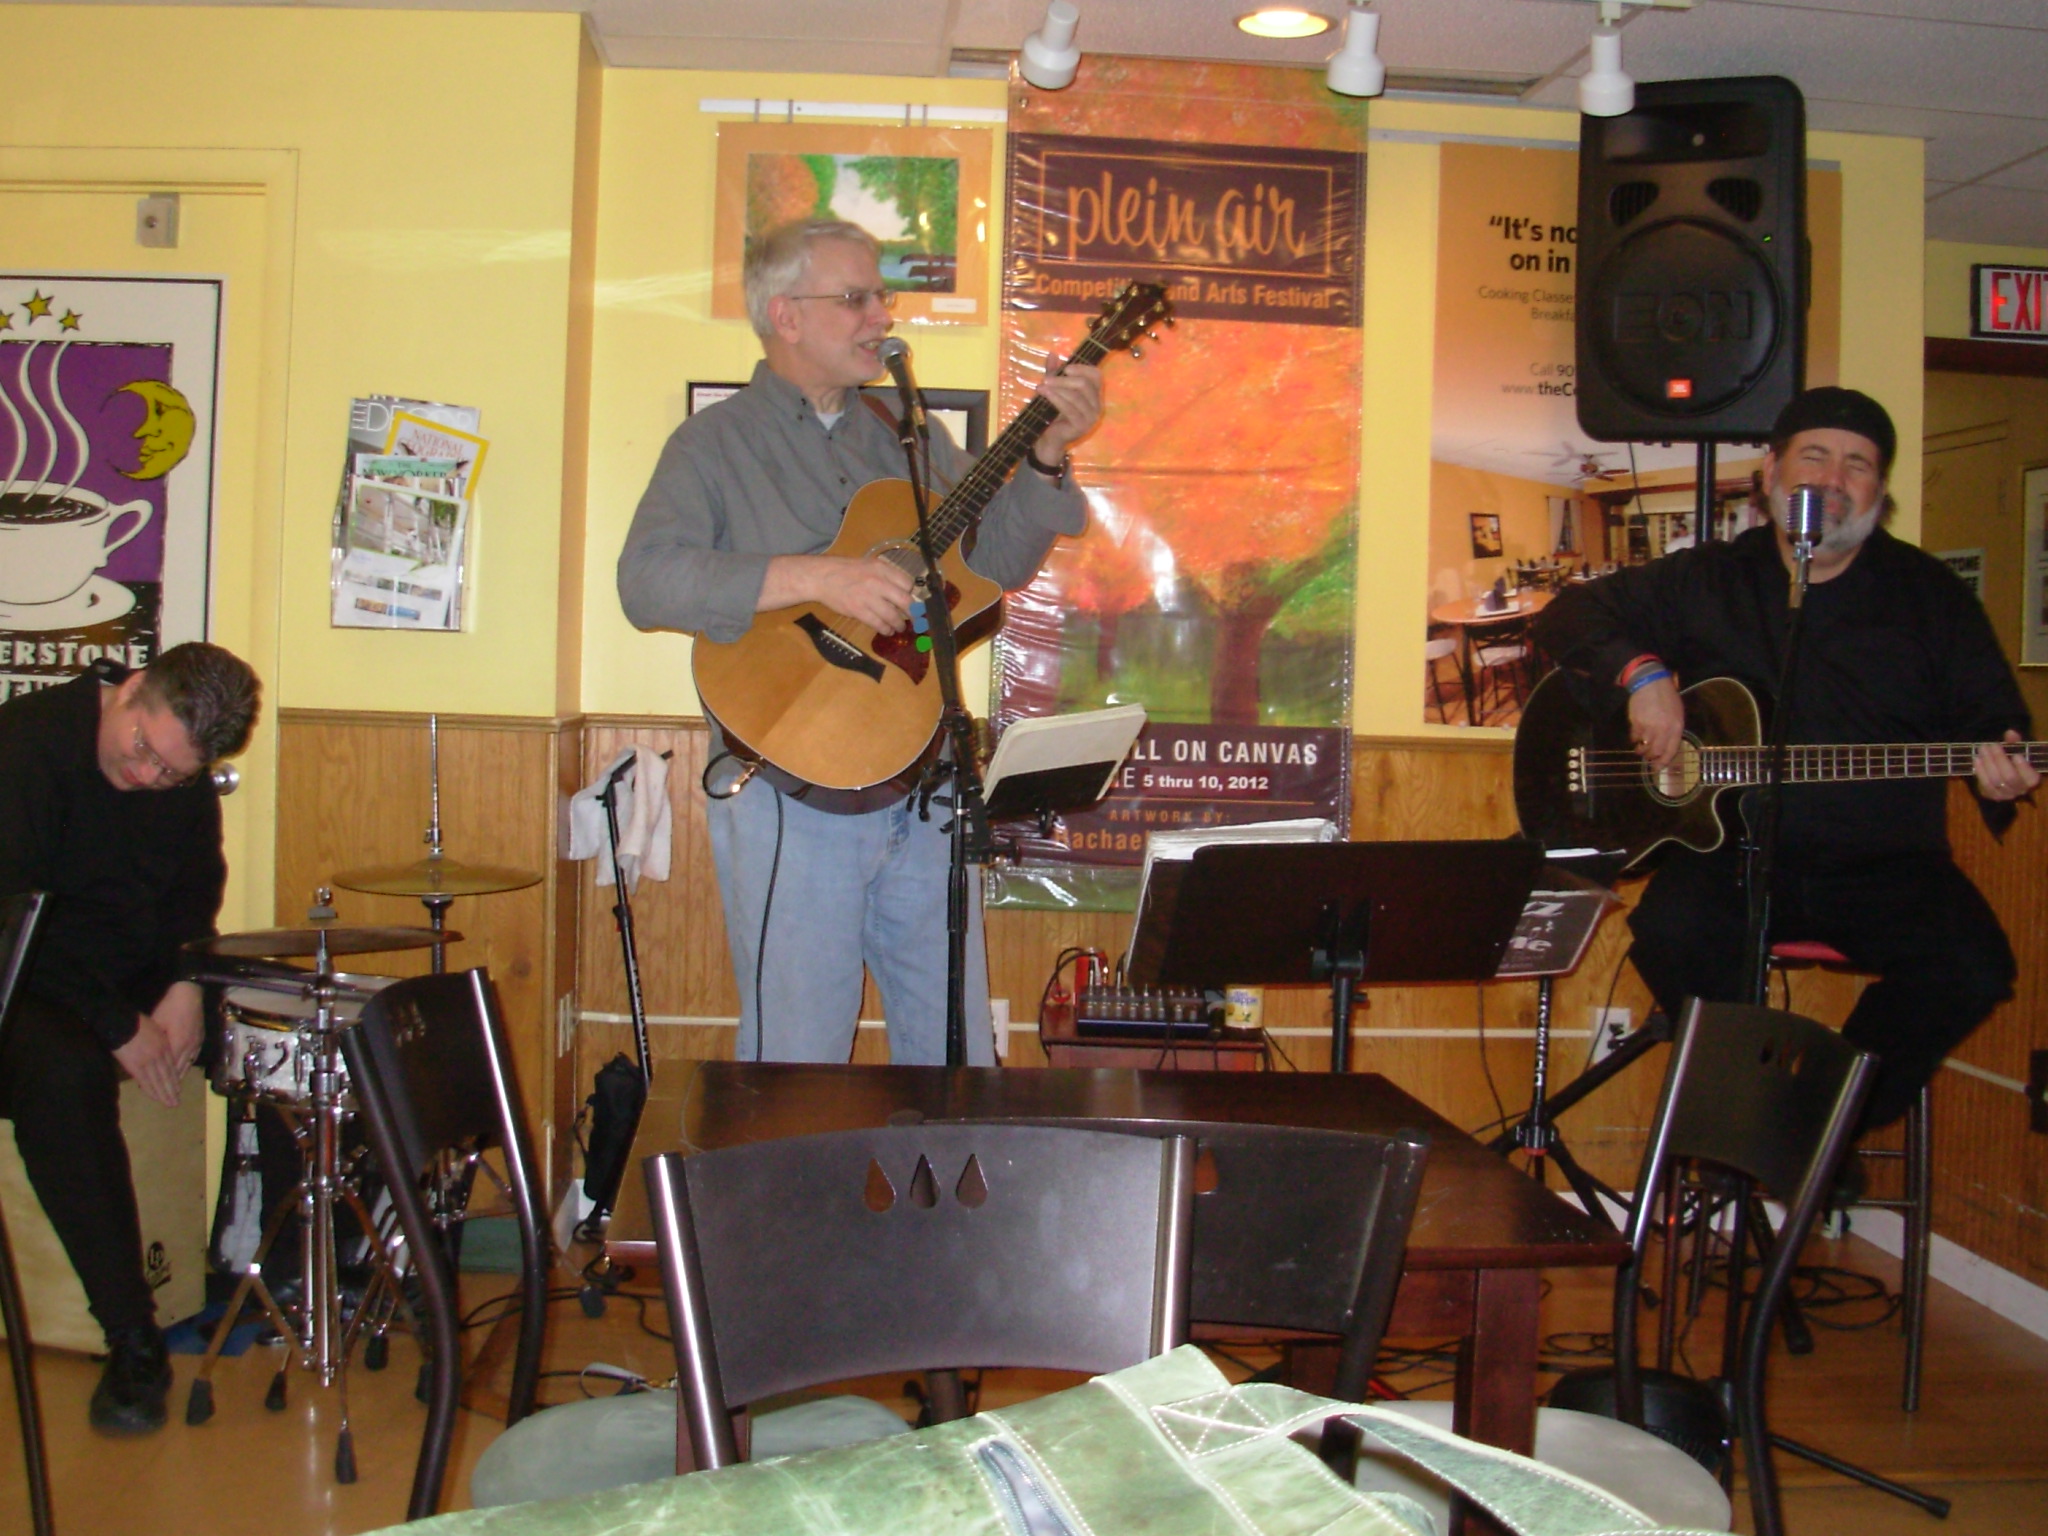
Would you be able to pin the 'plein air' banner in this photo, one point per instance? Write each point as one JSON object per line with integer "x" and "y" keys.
{"x": 106, "y": 469}
{"x": 1214, "y": 584}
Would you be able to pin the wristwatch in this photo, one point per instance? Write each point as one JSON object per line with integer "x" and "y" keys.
{"x": 1056, "y": 473}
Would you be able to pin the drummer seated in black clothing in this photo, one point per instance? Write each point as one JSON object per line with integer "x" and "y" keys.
{"x": 1896, "y": 650}
{"x": 106, "y": 803}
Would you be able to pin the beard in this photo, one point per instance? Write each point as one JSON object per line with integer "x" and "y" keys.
{"x": 1846, "y": 530}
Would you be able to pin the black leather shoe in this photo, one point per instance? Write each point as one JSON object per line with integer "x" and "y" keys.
{"x": 130, "y": 1397}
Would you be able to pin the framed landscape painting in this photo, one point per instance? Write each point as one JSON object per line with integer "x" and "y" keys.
{"x": 923, "y": 193}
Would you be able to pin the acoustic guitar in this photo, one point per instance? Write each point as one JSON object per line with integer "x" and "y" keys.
{"x": 822, "y": 700}
{"x": 1580, "y": 784}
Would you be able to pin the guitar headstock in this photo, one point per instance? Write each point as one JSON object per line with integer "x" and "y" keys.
{"x": 1130, "y": 316}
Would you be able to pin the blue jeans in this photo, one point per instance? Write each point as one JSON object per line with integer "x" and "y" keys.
{"x": 847, "y": 891}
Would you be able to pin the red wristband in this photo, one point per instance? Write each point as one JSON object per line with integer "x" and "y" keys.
{"x": 1645, "y": 660}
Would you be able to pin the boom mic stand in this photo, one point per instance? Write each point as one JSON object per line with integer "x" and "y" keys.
{"x": 972, "y": 840}
{"x": 1805, "y": 524}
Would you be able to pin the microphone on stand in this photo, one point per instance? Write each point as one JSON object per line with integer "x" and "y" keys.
{"x": 895, "y": 356}
{"x": 1805, "y": 525}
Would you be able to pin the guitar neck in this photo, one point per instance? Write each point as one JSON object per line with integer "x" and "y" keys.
{"x": 963, "y": 506}
{"x": 1854, "y": 764}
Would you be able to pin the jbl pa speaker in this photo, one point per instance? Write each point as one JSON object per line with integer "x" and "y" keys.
{"x": 1692, "y": 283}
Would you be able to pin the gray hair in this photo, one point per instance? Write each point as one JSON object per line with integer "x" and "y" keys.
{"x": 778, "y": 261}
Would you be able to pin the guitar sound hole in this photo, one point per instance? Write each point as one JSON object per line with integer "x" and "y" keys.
{"x": 1681, "y": 781}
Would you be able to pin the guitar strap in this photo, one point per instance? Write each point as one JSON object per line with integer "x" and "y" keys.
{"x": 938, "y": 485}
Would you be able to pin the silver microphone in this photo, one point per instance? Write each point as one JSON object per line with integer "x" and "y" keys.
{"x": 1806, "y": 521}
{"x": 227, "y": 778}
{"x": 895, "y": 355}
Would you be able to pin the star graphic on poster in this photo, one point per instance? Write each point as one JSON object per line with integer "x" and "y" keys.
{"x": 6, "y": 321}
{"x": 70, "y": 320}
{"x": 38, "y": 305}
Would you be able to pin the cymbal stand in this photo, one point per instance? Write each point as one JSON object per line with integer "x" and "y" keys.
{"x": 437, "y": 904}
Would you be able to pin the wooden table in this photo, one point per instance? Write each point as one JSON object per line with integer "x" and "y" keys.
{"x": 1466, "y": 615}
{"x": 1482, "y": 1230}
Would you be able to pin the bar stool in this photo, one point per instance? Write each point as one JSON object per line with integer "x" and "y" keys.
{"x": 1916, "y": 1205}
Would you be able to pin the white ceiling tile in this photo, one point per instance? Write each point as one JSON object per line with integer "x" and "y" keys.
{"x": 768, "y": 22}
{"x": 1960, "y": 145}
{"x": 1989, "y": 215}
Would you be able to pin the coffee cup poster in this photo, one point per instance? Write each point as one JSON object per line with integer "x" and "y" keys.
{"x": 107, "y": 395}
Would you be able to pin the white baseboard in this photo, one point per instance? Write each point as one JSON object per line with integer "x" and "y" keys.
{"x": 2019, "y": 1301}
{"x": 2013, "y": 1298}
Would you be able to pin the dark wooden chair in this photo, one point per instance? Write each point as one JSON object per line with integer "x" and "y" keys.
{"x": 1773, "y": 1099}
{"x": 796, "y": 1262}
{"x": 20, "y": 917}
{"x": 432, "y": 1074}
{"x": 1297, "y": 1228}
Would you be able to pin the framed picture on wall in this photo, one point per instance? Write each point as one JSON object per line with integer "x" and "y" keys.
{"x": 923, "y": 193}
{"x": 1486, "y": 536}
{"x": 703, "y": 394}
{"x": 2034, "y": 596}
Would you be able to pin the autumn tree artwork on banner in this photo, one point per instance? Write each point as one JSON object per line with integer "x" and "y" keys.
{"x": 1215, "y": 584}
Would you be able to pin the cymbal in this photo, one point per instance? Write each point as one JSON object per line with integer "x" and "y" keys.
{"x": 284, "y": 943}
{"x": 436, "y": 877}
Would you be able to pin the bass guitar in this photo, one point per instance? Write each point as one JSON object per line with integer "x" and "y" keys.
{"x": 822, "y": 700}
{"x": 1580, "y": 784}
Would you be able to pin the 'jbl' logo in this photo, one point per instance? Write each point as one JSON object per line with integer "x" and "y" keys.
{"x": 1683, "y": 317}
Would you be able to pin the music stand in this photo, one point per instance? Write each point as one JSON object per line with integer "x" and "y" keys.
{"x": 1553, "y": 936}
{"x": 1345, "y": 914}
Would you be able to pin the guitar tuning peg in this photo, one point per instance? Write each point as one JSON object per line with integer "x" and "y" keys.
{"x": 1136, "y": 353}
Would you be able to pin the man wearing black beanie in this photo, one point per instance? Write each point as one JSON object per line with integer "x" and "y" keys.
{"x": 1896, "y": 650}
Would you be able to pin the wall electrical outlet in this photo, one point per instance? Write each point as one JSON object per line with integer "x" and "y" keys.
{"x": 1611, "y": 1026}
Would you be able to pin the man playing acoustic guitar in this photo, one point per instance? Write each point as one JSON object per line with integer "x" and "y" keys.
{"x": 744, "y": 498}
{"x": 1896, "y": 650}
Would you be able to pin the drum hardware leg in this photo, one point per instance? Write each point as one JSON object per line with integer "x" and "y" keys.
{"x": 274, "y": 1399}
{"x": 199, "y": 1403}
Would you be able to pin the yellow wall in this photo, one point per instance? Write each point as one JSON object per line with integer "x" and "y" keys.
{"x": 460, "y": 241}
{"x": 654, "y": 334}
{"x": 1948, "y": 279}
{"x": 429, "y": 159}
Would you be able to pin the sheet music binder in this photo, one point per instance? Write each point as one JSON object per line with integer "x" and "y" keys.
{"x": 1059, "y": 762}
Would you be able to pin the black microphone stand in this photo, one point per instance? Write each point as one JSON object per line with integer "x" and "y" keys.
{"x": 972, "y": 840}
{"x": 1762, "y": 815}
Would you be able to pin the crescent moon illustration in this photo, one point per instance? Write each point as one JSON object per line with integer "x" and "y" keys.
{"x": 165, "y": 436}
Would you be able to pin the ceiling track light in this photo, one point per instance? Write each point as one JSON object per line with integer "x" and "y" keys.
{"x": 1049, "y": 58}
{"x": 1283, "y": 22}
{"x": 1604, "y": 91}
{"x": 1356, "y": 68}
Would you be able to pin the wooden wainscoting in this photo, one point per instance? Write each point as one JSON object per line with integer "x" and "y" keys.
{"x": 1990, "y": 1170}
{"x": 353, "y": 790}
{"x": 1435, "y": 1041}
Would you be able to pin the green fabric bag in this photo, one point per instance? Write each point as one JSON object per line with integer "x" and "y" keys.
{"x": 1166, "y": 1448}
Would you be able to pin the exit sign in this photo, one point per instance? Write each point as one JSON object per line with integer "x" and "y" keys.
{"x": 2009, "y": 303}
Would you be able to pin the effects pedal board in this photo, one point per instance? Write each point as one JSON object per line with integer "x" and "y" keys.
{"x": 1146, "y": 1013}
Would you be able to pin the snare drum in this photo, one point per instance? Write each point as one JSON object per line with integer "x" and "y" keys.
{"x": 268, "y": 1048}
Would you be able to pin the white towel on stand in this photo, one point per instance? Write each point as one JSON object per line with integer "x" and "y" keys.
{"x": 646, "y": 822}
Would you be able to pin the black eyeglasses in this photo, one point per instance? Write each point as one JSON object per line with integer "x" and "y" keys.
{"x": 855, "y": 300}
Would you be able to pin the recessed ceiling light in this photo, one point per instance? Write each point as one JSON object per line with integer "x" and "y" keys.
{"x": 1283, "y": 22}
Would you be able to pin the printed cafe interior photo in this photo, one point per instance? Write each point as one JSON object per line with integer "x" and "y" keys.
{"x": 1024, "y": 766}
